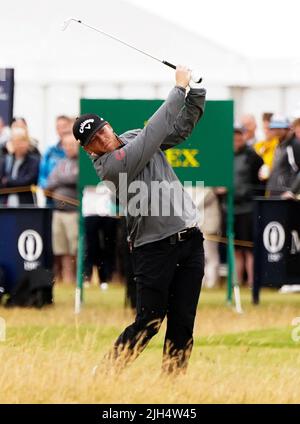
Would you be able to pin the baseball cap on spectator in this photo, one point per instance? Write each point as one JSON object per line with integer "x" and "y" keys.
{"x": 279, "y": 122}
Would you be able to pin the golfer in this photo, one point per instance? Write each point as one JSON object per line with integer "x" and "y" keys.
{"x": 167, "y": 248}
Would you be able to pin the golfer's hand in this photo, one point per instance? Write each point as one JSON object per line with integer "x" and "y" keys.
{"x": 182, "y": 76}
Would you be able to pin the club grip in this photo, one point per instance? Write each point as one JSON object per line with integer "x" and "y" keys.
{"x": 195, "y": 78}
{"x": 169, "y": 64}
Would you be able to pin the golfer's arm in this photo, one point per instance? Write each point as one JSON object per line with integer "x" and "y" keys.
{"x": 187, "y": 118}
{"x": 133, "y": 157}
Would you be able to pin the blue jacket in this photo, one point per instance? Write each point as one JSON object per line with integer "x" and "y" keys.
{"x": 49, "y": 161}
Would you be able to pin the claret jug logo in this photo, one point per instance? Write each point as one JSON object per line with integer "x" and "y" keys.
{"x": 30, "y": 246}
{"x": 274, "y": 239}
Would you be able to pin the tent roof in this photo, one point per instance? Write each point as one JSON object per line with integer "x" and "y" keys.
{"x": 32, "y": 42}
{"x": 34, "y": 45}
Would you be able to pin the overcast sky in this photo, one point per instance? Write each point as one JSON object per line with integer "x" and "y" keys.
{"x": 256, "y": 28}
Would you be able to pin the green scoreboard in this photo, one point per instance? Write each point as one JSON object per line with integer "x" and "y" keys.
{"x": 206, "y": 156}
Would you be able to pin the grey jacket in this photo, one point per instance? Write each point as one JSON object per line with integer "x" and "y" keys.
{"x": 134, "y": 167}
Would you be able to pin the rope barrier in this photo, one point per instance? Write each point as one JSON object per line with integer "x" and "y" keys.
{"x": 34, "y": 189}
{"x": 60, "y": 197}
{"x": 240, "y": 243}
{"x": 74, "y": 202}
{"x": 14, "y": 190}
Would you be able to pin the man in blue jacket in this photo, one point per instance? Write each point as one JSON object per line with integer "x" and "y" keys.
{"x": 167, "y": 248}
{"x": 54, "y": 153}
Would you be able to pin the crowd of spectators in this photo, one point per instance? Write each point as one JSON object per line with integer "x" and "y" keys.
{"x": 22, "y": 168}
{"x": 267, "y": 167}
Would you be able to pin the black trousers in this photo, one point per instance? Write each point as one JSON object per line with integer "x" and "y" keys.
{"x": 168, "y": 276}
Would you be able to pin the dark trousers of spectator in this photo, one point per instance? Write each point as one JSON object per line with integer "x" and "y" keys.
{"x": 168, "y": 276}
{"x": 125, "y": 264}
{"x": 100, "y": 244}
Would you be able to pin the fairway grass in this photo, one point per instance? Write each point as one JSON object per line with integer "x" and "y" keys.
{"x": 54, "y": 356}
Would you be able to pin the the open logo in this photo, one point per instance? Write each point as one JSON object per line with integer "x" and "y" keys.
{"x": 274, "y": 237}
{"x": 30, "y": 245}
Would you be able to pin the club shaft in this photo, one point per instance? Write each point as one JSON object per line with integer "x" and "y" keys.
{"x": 125, "y": 44}
{"x": 112, "y": 37}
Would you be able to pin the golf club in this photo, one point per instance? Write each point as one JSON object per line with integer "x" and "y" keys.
{"x": 195, "y": 77}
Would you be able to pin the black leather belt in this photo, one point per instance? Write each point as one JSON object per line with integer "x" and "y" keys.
{"x": 183, "y": 235}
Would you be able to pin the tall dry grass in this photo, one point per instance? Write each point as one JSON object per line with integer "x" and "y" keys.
{"x": 53, "y": 356}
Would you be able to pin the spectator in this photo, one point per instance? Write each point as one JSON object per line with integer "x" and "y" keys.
{"x": 51, "y": 158}
{"x": 211, "y": 227}
{"x": 266, "y": 148}
{"x": 296, "y": 128}
{"x": 6, "y": 148}
{"x": 207, "y": 202}
{"x": 246, "y": 183}
{"x": 4, "y": 133}
{"x": 54, "y": 153}
{"x": 266, "y": 119}
{"x": 100, "y": 222}
{"x": 21, "y": 123}
{"x": 286, "y": 163}
{"x": 63, "y": 182}
{"x": 18, "y": 168}
{"x": 125, "y": 264}
{"x": 293, "y": 151}
{"x": 249, "y": 124}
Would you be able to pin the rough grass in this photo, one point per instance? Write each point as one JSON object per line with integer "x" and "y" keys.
{"x": 53, "y": 356}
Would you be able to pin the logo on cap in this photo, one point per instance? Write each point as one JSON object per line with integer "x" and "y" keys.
{"x": 86, "y": 125}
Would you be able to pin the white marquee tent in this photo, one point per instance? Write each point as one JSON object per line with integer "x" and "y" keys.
{"x": 53, "y": 69}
